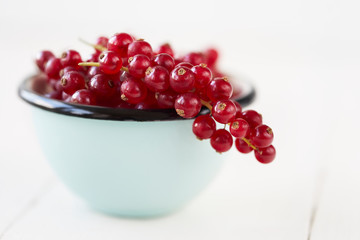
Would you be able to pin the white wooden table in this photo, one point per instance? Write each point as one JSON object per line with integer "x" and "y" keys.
{"x": 307, "y": 75}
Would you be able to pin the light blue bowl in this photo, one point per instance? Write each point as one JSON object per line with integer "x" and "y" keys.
{"x": 127, "y": 168}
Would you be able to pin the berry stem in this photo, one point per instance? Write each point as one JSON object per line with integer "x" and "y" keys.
{"x": 206, "y": 104}
{"x": 97, "y": 47}
{"x": 249, "y": 143}
{"x": 89, "y": 64}
{"x": 96, "y": 64}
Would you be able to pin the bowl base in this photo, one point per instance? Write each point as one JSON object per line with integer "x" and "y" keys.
{"x": 137, "y": 215}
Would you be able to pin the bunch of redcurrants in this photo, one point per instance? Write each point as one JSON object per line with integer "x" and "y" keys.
{"x": 127, "y": 73}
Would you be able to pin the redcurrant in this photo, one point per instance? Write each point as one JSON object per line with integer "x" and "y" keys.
{"x": 67, "y": 69}
{"x": 83, "y": 96}
{"x": 184, "y": 64}
{"x": 42, "y": 58}
{"x": 166, "y": 99}
{"x": 242, "y": 146}
{"x": 221, "y": 140}
{"x": 71, "y": 58}
{"x": 224, "y": 111}
{"x": 203, "y": 76}
{"x": 219, "y": 89}
{"x": 110, "y": 62}
{"x": 262, "y": 136}
{"x": 138, "y": 65}
{"x": 239, "y": 128}
{"x": 92, "y": 71}
{"x": 53, "y": 67}
{"x": 252, "y": 117}
{"x": 119, "y": 43}
{"x": 204, "y": 126}
{"x": 187, "y": 105}
{"x": 102, "y": 41}
{"x": 166, "y": 48}
{"x": 140, "y": 47}
{"x": 72, "y": 81}
{"x": 165, "y": 60}
{"x": 157, "y": 79}
{"x": 133, "y": 91}
{"x": 149, "y": 102}
{"x": 265, "y": 155}
{"x": 194, "y": 58}
{"x": 211, "y": 56}
{"x": 102, "y": 86}
{"x": 182, "y": 79}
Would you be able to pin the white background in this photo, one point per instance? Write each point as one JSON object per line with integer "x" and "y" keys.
{"x": 303, "y": 57}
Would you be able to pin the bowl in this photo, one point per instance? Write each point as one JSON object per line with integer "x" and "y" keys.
{"x": 124, "y": 162}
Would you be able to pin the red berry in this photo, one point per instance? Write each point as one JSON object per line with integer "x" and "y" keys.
{"x": 67, "y": 69}
{"x": 265, "y": 155}
{"x": 187, "y": 105}
{"x": 224, "y": 111}
{"x": 157, "y": 79}
{"x": 140, "y": 47}
{"x": 165, "y": 60}
{"x": 203, "y": 76}
{"x": 116, "y": 77}
{"x": 133, "y": 91}
{"x": 143, "y": 106}
{"x": 204, "y": 127}
{"x": 125, "y": 61}
{"x": 182, "y": 79}
{"x": 110, "y": 62}
{"x": 219, "y": 89}
{"x": 92, "y": 71}
{"x": 211, "y": 57}
{"x": 94, "y": 57}
{"x": 252, "y": 117}
{"x": 217, "y": 73}
{"x": 126, "y": 76}
{"x": 238, "y": 110}
{"x": 53, "y": 67}
{"x": 166, "y": 48}
{"x": 119, "y": 43}
{"x": 138, "y": 65}
{"x": 56, "y": 85}
{"x": 194, "y": 58}
{"x": 221, "y": 140}
{"x": 166, "y": 99}
{"x": 102, "y": 41}
{"x": 72, "y": 81}
{"x": 202, "y": 94}
{"x": 262, "y": 136}
{"x": 184, "y": 64}
{"x": 42, "y": 58}
{"x": 149, "y": 102}
{"x": 71, "y": 58}
{"x": 242, "y": 146}
{"x": 65, "y": 97}
{"x": 125, "y": 105}
{"x": 56, "y": 94}
{"x": 102, "y": 86}
{"x": 83, "y": 96}
{"x": 239, "y": 128}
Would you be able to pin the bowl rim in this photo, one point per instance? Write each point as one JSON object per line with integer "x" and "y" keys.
{"x": 26, "y": 93}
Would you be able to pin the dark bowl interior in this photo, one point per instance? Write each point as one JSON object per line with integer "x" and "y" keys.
{"x": 32, "y": 89}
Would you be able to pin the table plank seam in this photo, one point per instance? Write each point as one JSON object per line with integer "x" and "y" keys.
{"x": 320, "y": 182}
{"x": 32, "y": 203}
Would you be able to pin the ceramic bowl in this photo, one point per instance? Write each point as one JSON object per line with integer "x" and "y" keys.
{"x": 124, "y": 162}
